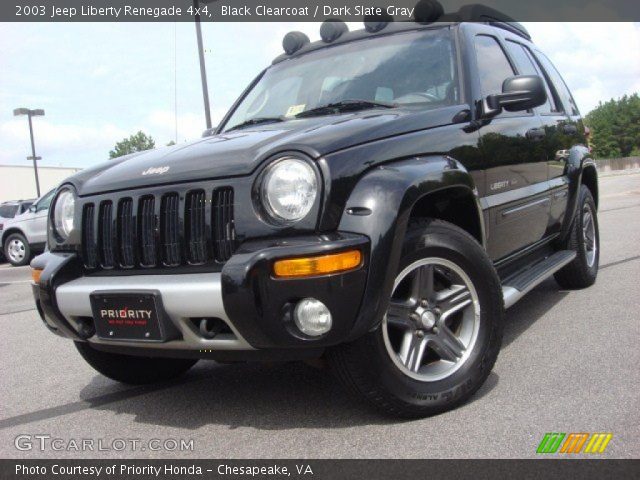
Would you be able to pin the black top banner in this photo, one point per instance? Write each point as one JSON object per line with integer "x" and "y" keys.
{"x": 307, "y": 11}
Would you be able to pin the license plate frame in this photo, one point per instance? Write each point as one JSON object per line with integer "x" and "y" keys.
{"x": 128, "y": 316}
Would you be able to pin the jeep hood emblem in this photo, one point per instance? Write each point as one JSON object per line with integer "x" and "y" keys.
{"x": 155, "y": 171}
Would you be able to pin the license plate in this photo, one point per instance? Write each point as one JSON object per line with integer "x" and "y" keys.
{"x": 127, "y": 316}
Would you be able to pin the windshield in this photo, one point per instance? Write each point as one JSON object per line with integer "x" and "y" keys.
{"x": 414, "y": 68}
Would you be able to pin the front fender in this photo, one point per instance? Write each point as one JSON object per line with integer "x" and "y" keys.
{"x": 380, "y": 207}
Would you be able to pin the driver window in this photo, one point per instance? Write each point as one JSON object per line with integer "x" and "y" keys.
{"x": 493, "y": 66}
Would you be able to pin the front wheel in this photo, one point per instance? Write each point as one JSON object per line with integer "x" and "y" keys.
{"x": 17, "y": 250}
{"x": 442, "y": 332}
{"x": 131, "y": 369}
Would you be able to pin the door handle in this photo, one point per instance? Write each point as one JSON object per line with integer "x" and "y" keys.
{"x": 535, "y": 133}
{"x": 569, "y": 129}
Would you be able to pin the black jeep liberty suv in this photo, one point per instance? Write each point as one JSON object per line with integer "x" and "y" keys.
{"x": 377, "y": 198}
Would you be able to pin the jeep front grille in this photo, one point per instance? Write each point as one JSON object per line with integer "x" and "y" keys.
{"x": 153, "y": 231}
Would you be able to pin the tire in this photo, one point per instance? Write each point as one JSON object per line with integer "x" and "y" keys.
{"x": 17, "y": 250}
{"x": 370, "y": 366}
{"x": 131, "y": 369}
{"x": 583, "y": 270}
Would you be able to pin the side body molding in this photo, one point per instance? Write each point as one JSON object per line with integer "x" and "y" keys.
{"x": 380, "y": 207}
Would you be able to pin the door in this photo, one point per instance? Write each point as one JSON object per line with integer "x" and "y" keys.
{"x": 517, "y": 198}
{"x": 35, "y": 226}
{"x": 564, "y": 129}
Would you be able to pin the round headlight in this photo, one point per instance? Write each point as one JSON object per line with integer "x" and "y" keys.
{"x": 63, "y": 213}
{"x": 289, "y": 189}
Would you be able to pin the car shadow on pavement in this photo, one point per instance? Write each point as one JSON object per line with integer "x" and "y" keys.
{"x": 279, "y": 396}
{"x": 275, "y": 396}
{"x": 533, "y": 306}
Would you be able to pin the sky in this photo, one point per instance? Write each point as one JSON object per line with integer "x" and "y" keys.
{"x": 101, "y": 82}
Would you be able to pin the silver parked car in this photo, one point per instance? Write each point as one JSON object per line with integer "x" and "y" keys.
{"x": 26, "y": 233}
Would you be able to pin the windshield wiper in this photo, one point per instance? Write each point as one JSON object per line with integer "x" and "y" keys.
{"x": 345, "y": 106}
{"x": 256, "y": 121}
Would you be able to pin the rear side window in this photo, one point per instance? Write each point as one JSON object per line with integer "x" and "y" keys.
{"x": 561, "y": 87}
{"x": 8, "y": 211}
{"x": 493, "y": 65}
{"x": 526, "y": 66}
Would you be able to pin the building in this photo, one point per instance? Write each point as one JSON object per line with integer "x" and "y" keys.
{"x": 17, "y": 182}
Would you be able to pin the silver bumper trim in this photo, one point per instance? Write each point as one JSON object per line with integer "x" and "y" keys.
{"x": 183, "y": 297}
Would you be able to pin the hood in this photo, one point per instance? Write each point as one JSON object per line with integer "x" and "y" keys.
{"x": 240, "y": 152}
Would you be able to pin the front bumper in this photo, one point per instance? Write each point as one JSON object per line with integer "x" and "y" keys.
{"x": 256, "y": 307}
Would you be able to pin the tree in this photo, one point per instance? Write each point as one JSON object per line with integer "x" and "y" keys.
{"x": 171, "y": 143}
{"x": 615, "y": 127}
{"x": 135, "y": 143}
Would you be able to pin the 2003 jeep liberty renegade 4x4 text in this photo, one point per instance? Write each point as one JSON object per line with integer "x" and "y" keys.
{"x": 376, "y": 198}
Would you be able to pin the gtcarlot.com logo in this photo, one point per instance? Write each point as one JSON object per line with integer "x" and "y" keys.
{"x": 574, "y": 442}
{"x": 45, "y": 442}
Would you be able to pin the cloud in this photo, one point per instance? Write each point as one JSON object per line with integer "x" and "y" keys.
{"x": 76, "y": 143}
{"x": 598, "y": 61}
{"x": 100, "y": 71}
{"x": 160, "y": 124}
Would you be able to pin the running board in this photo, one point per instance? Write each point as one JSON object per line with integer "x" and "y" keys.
{"x": 518, "y": 285}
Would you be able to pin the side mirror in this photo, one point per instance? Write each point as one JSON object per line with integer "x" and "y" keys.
{"x": 518, "y": 93}
{"x": 32, "y": 209}
{"x": 209, "y": 131}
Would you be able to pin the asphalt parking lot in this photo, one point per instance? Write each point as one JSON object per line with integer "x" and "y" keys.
{"x": 570, "y": 363}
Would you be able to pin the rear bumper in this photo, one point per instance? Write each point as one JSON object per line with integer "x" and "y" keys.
{"x": 256, "y": 307}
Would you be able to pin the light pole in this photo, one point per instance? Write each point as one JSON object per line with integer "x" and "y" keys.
{"x": 32, "y": 113}
{"x": 203, "y": 70}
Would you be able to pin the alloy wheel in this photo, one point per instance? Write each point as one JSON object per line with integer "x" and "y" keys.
{"x": 589, "y": 234}
{"x": 433, "y": 319}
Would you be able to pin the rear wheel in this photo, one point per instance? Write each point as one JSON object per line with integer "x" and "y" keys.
{"x": 131, "y": 369}
{"x": 584, "y": 239}
{"x": 17, "y": 250}
{"x": 441, "y": 335}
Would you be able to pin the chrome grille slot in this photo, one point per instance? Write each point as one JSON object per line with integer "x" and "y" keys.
{"x": 147, "y": 216}
{"x": 224, "y": 229}
{"x": 170, "y": 229}
{"x": 105, "y": 235}
{"x": 126, "y": 233}
{"x": 89, "y": 236}
{"x": 196, "y": 229}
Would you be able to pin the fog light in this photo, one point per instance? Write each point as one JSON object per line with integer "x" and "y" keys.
{"x": 312, "y": 317}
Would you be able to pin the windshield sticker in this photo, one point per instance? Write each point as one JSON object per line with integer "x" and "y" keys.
{"x": 295, "y": 109}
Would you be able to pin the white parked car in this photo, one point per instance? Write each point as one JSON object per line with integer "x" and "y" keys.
{"x": 26, "y": 233}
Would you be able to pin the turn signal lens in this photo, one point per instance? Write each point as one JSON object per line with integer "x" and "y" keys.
{"x": 321, "y": 265}
{"x": 35, "y": 275}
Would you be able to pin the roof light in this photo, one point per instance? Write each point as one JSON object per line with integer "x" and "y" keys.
{"x": 427, "y": 11}
{"x": 332, "y": 29}
{"x": 375, "y": 23}
{"x": 294, "y": 41}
